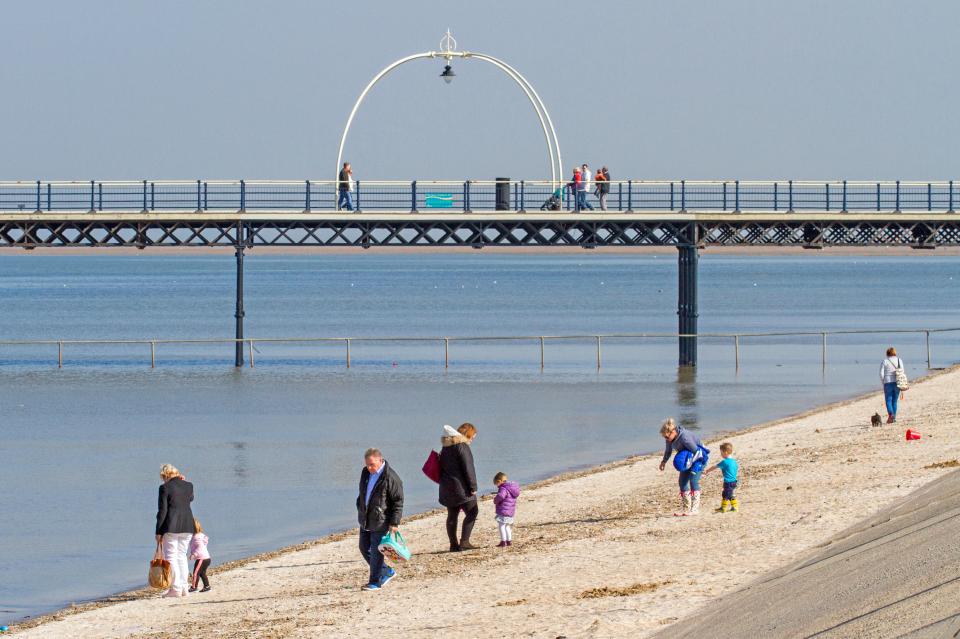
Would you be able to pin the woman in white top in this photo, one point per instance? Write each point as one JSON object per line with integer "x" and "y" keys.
{"x": 888, "y": 377}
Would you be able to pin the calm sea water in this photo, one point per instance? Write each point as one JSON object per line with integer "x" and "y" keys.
{"x": 274, "y": 451}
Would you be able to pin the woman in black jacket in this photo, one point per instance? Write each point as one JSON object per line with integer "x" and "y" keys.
{"x": 458, "y": 483}
{"x": 175, "y": 526}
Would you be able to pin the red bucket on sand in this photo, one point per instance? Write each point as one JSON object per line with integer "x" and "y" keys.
{"x": 912, "y": 434}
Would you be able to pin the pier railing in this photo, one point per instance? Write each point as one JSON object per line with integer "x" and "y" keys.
{"x": 734, "y": 339}
{"x": 476, "y": 195}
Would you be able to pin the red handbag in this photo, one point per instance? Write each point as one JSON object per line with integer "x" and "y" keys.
{"x": 431, "y": 467}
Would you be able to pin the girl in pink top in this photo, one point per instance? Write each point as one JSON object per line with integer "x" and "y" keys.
{"x": 200, "y": 556}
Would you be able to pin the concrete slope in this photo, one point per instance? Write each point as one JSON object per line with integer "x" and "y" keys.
{"x": 896, "y": 574}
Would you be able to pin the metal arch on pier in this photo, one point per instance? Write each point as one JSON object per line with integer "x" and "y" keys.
{"x": 553, "y": 143}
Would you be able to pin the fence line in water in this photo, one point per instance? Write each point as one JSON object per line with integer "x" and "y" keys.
{"x": 542, "y": 339}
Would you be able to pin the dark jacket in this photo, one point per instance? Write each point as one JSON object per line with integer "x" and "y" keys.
{"x": 173, "y": 507}
{"x": 386, "y": 501}
{"x": 343, "y": 180}
{"x": 458, "y": 478}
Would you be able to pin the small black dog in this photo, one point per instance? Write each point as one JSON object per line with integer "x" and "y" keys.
{"x": 875, "y": 420}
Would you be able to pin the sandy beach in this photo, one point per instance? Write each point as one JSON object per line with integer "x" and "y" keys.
{"x": 596, "y": 554}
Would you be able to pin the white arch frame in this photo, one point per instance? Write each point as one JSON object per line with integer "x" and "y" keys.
{"x": 549, "y": 133}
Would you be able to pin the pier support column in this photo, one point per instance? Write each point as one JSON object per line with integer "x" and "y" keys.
{"x": 687, "y": 311}
{"x": 238, "y": 362}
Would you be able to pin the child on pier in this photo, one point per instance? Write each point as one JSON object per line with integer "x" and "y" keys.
{"x": 200, "y": 556}
{"x": 506, "y": 504}
{"x": 729, "y": 466}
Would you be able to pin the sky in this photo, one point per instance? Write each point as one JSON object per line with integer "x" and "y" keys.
{"x": 765, "y": 89}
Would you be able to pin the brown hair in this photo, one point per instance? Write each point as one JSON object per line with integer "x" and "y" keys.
{"x": 726, "y": 447}
{"x": 499, "y": 477}
{"x": 468, "y": 430}
{"x": 891, "y": 352}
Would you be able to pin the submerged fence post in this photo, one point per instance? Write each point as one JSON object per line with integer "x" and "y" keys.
{"x": 928, "y": 350}
{"x": 823, "y": 350}
{"x": 541, "y": 353}
{"x": 153, "y": 354}
{"x": 446, "y": 352}
{"x": 239, "y": 312}
{"x": 598, "y": 352}
{"x": 736, "y": 350}
{"x": 348, "y": 352}
{"x": 59, "y": 354}
{"x": 251, "y": 353}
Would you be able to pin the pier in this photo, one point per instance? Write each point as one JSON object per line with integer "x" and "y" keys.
{"x": 689, "y": 215}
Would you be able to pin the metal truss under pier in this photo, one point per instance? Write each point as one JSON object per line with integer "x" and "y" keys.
{"x": 405, "y": 229}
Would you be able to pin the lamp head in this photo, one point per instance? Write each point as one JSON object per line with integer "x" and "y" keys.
{"x": 448, "y": 75}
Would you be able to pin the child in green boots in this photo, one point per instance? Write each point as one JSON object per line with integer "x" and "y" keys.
{"x": 729, "y": 467}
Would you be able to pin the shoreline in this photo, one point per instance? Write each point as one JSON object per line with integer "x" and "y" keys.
{"x": 561, "y": 478}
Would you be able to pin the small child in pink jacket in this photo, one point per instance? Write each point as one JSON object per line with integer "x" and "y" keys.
{"x": 506, "y": 503}
{"x": 200, "y": 556}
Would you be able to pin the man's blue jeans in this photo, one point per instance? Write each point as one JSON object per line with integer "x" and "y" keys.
{"x": 582, "y": 201}
{"x": 690, "y": 479}
{"x": 891, "y": 394}
{"x": 369, "y": 540}
{"x": 344, "y": 202}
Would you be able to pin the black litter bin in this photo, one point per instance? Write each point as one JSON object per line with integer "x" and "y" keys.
{"x": 503, "y": 194}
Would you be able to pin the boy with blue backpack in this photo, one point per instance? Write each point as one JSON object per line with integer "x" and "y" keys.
{"x": 690, "y": 460}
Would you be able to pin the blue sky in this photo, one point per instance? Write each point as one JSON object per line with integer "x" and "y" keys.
{"x": 129, "y": 89}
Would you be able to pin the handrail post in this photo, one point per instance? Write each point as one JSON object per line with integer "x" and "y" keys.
{"x": 153, "y": 354}
{"x": 776, "y": 196}
{"x": 736, "y": 188}
{"x": 629, "y": 196}
{"x": 199, "y": 196}
{"x": 153, "y": 196}
{"x": 950, "y": 196}
{"x": 683, "y": 196}
{"x": 929, "y": 197}
{"x": 348, "y": 352}
{"x": 92, "y": 191}
{"x": 306, "y": 197}
{"x": 619, "y": 196}
{"x": 59, "y": 354}
{"x": 523, "y": 195}
{"x": 466, "y": 196}
{"x": 541, "y": 352}
{"x": 724, "y": 195}
{"x": 598, "y": 352}
{"x": 446, "y": 352}
{"x": 928, "y": 350}
{"x": 356, "y": 205}
{"x": 100, "y": 196}
{"x": 243, "y": 196}
{"x": 144, "y": 196}
{"x": 413, "y": 196}
{"x": 736, "y": 349}
{"x": 844, "y": 209}
{"x": 206, "y": 191}
{"x": 671, "y": 195}
{"x": 823, "y": 350}
{"x": 897, "y": 208}
{"x": 790, "y": 203}
{"x": 38, "y": 195}
{"x": 878, "y": 196}
{"x": 826, "y": 196}
{"x": 250, "y": 343}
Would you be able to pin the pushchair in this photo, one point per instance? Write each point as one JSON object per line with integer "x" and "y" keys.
{"x": 553, "y": 202}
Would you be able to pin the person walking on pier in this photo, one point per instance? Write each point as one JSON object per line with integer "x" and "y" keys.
{"x": 584, "y": 188}
{"x": 602, "y": 180}
{"x": 894, "y": 378}
{"x": 679, "y": 439}
{"x": 574, "y": 185}
{"x": 175, "y": 526}
{"x": 458, "y": 483}
{"x": 379, "y": 509}
{"x": 345, "y": 187}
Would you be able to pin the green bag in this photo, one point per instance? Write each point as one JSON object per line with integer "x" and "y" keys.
{"x": 394, "y": 548}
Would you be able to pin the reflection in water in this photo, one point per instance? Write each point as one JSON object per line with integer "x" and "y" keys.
{"x": 687, "y": 397}
{"x": 241, "y": 462}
